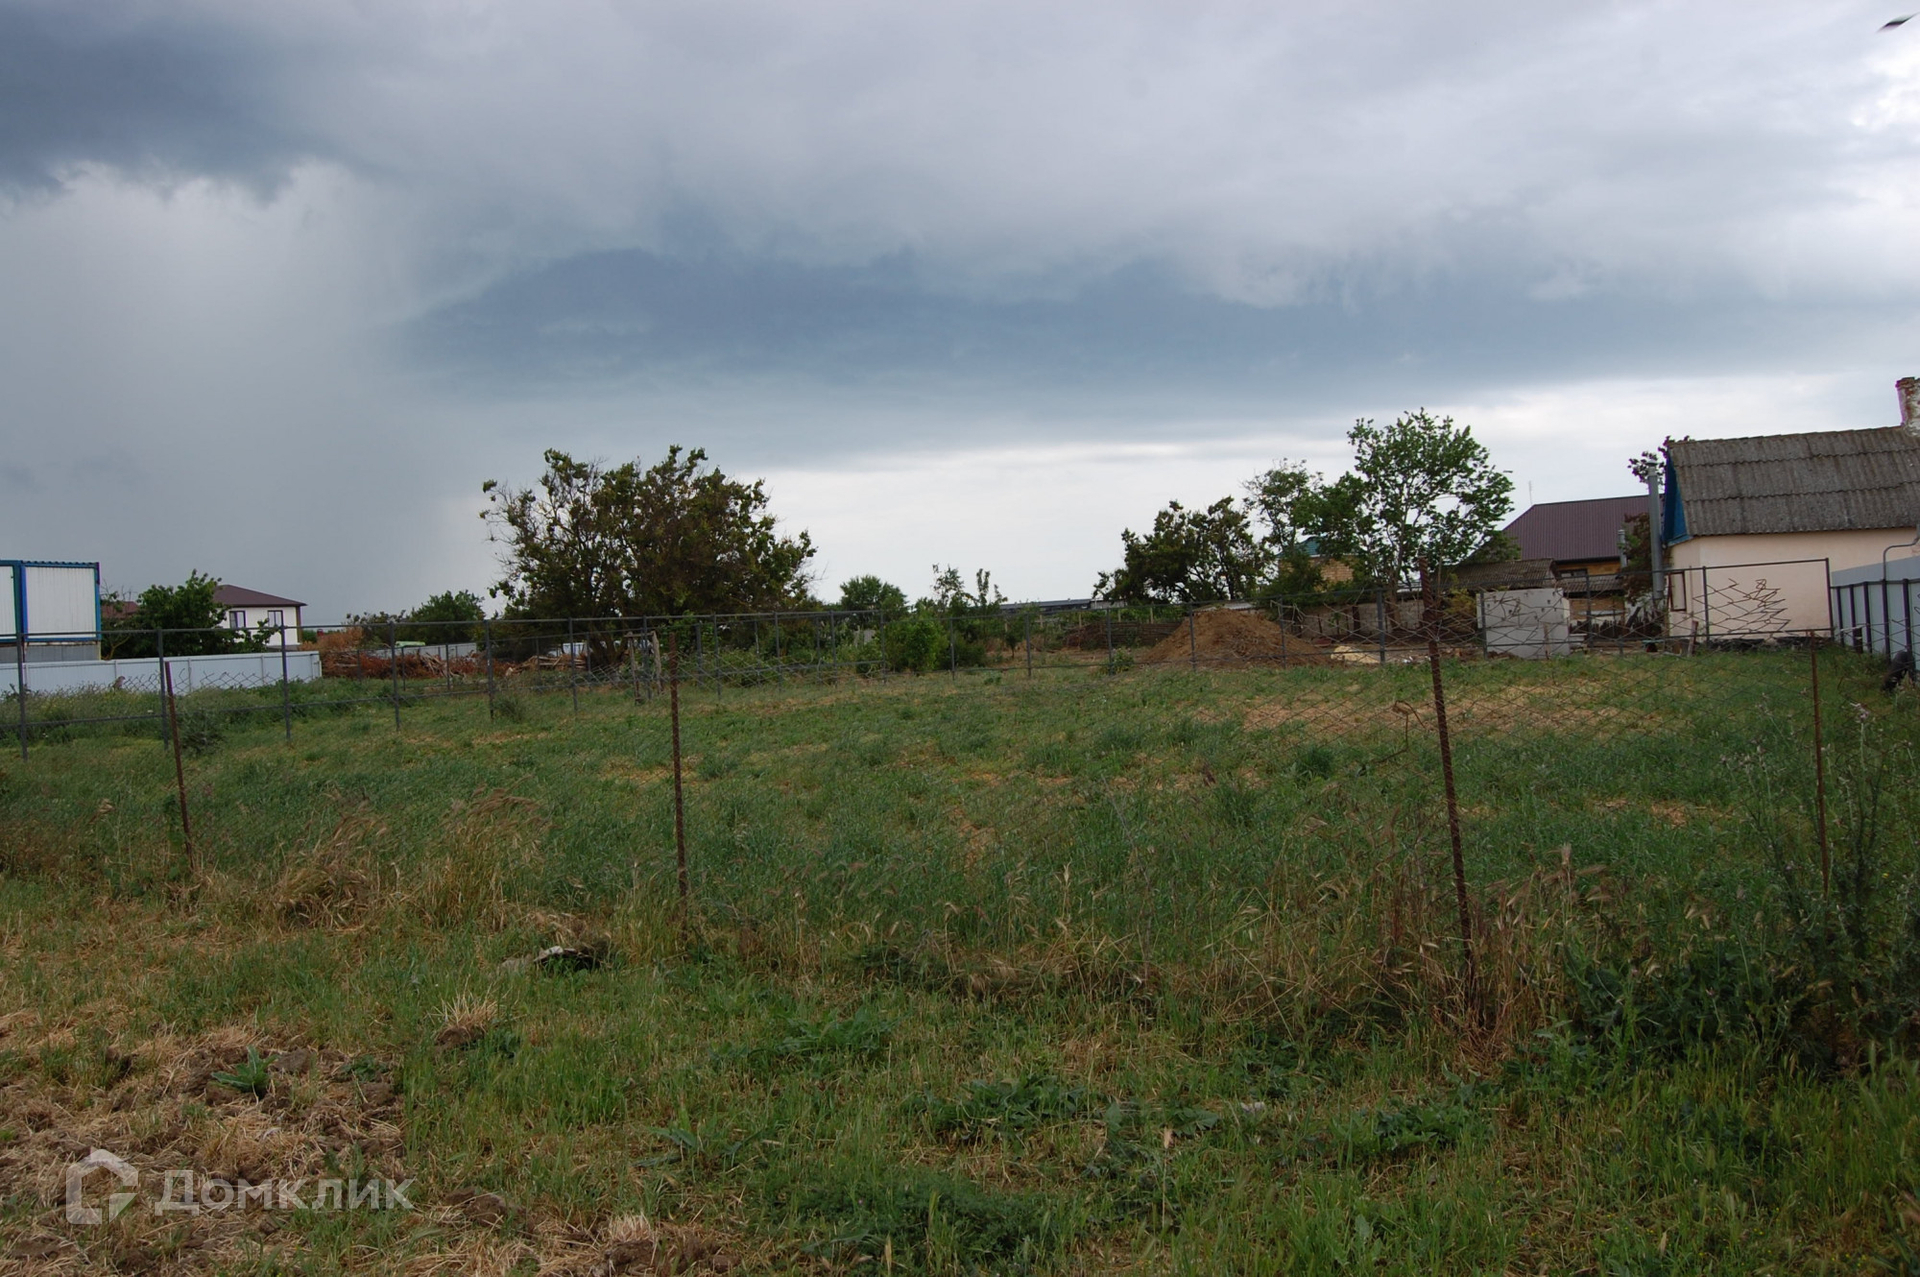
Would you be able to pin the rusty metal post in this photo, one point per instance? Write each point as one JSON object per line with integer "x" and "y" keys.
{"x": 1470, "y": 981}
{"x": 1819, "y": 768}
{"x": 286, "y": 701}
{"x": 179, "y": 767}
{"x": 679, "y": 797}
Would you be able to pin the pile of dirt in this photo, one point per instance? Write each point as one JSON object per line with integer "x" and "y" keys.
{"x": 1223, "y": 637}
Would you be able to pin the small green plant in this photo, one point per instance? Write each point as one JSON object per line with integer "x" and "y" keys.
{"x": 1005, "y": 1109}
{"x": 508, "y": 707}
{"x": 862, "y": 1035}
{"x": 250, "y": 1078}
{"x": 201, "y": 730}
{"x": 917, "y": 1220}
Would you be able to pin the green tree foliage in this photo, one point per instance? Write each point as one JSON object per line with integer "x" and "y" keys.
{"x": 1191, "y": 556}
{"x": 588, "y": 540}
{"x": 917, "y": 642}
{"x": 952, "y": 597}
{"x": 193, "y": 618}
{"x": 451, "y": 617}
{"x": 1421, "y": 490}
{"x": 1276, "y": 498}
{"x": 871, "y": 594}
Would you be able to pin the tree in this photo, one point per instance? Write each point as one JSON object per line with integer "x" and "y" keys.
{"x": 951, "y": 596}
{"x": 1278, "y": 498}
{"x": 452, "y": 617}
{"x": 193, "y": 618}
{"x": 871, "y": 594}
{"x": 1421, "y": 490}
{"x": 1190, "y": 556}
{"x": 594, "y": 541}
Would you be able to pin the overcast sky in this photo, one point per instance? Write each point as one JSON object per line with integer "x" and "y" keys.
{"x": 979, "y": 283}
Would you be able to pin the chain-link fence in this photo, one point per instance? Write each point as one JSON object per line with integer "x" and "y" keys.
{"x": 1532, "y": 650}
{"x": 1466, "y": 697}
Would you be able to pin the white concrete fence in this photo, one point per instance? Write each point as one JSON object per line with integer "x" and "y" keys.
{"x": 190, "y": 673}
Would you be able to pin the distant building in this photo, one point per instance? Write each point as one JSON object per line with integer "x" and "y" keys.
{"x": 1576, "y": 536}
{"x": 53, "y": 608}
{"x": 1756, "y": 522}
{"x": 250, "y": 609}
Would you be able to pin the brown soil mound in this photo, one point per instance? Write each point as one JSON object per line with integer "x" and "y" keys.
{"x": 1223, "y": 637}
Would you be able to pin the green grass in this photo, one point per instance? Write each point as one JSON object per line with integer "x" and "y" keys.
{"x": 1155, "y": 971}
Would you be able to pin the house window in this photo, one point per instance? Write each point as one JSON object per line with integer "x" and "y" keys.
{"x": 276, "y": 618}
{"x": 237, "y": 620}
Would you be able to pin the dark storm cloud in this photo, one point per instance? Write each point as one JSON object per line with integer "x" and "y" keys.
{"x": 169, "y": 96}
{"x": 1137, "y": 342}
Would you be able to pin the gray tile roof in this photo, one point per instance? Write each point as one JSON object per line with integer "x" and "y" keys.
{"x": 1828, "y": 481}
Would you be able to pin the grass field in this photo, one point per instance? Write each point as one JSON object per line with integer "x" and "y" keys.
{"x": 1148, "y": 972}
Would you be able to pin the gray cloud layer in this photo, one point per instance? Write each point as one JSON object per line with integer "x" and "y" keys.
{"x": 861, "y": 223}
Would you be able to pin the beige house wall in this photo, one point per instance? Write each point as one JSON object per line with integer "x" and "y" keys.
{"x": 1762, "y": 584}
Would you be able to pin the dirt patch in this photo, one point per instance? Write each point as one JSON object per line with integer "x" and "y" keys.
{"x": 1220, "y": 637}
{"x": 228, "y": 1112}
{"x": 621, "y": 770}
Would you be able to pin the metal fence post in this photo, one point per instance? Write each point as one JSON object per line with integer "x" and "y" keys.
{"x": 1380, "y": 618}
{"x": 179, "y": 768}
{"x": 392, "y": 659}
{"x": 1109, "y": 611}
{"x": 1029, "y": 643}
{"x": 20, "y": 672}
{"x": 1819, "y": 767}
{"x": 1469, "y": 974}
{"x": 286, "y": 700}
{"x": 573, "y": 683}
{"x": 679, "y": 799}
{"x": 880, "y": 634}
{"x": 486, "y": 626}
{"x": 159, "y": 686}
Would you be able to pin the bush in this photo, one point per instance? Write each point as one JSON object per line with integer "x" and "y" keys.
{"x": 917, "y": 643}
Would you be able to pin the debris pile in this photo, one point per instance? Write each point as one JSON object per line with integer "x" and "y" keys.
{"x": 1222, "y": 636}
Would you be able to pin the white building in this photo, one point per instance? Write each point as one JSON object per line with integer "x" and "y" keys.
{"x": 51, "y": 610}
{"x": 250, "y": 609}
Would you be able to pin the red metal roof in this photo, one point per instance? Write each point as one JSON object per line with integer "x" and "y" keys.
{"x": 1573, "y": 530}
